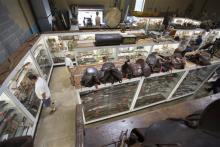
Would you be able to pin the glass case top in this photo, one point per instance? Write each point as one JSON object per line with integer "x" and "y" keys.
{"x": 60, "y": 48}
{"x": 43, "y": 59}
{"x": 13, "y": 122}
{"x": 193, "y": 80}
{"x": 157, "y": 89}
{"x": 95, "y": 56}
{"x": 108, "y": 101}
{"x": 166, "y": 50}
{"x": 133, "y": 53}
{"x": 22, "y": 88}
{"x": 184, "y": 33}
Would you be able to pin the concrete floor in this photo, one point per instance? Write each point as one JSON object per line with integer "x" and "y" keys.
{"x": 58, "y": 129}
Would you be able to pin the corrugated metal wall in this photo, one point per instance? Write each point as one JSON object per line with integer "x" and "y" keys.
{"x": 15, "y": 28}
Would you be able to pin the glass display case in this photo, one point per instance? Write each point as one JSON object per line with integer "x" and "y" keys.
{"x": 13, "y": 122}
{"x": 157, "y": 89}
{"x": 181, "y": 21}
{"x": 133, "y": 53}
{"x": 211, "y": 36}
{"x": 122, "y": 53}
{"x": 193, "y": 22}
{"x": 137, "y": 22}
{"x": 193, "y": 80}
{"x": 196, "y": 33}
{"x": 151, "y": 23}
{"x": 43, "y": 59}
{"x": 139, "y": 93}
{"x": 185, "y": 23}
{"x": 185, "y": 37}
{"x": 23, "y": 107}
{"x": 154, "y": 23}
{"x": 76, "y": 43}
{"x": 92, "y": 56}
{"x": 19, "y": 103}
{"x": 178, "y": 20}
{"x": 165, "y": 49}
{"x": 60, "y": 46}
{"x": 108, "y": 101}
{"x": 22, "y": 88}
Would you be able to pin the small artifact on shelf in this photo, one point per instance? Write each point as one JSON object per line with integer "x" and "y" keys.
{"x": 128, "y": 39}
{"x": 71, "y": 45}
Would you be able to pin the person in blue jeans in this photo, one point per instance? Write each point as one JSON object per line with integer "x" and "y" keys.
{"x": 42, "y": 91}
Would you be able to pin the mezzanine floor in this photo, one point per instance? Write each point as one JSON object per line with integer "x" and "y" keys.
{"x": 58, "y": 129}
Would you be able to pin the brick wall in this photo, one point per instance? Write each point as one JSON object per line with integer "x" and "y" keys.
{"x": 14, "y": 28}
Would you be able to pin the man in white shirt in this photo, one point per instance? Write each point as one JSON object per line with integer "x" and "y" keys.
{"x": 68, "y": 62}
{"x": 97, "y": 20}
{"x": 70, "y": 66}
{"x": 42, "y": 91}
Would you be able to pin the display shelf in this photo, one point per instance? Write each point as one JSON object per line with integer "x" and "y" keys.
{"x": 139, "y": 22}
{"x": 151, "y": 23}
{"x": 87, "y": 53}
{"x": 13, "y": 122}
{"x": 33, "y": 129}
{"x": 122, "y": 53}
{"x": 20, "y": 90}
{"x": 43, "y": 59}
{"x": 194, "y": 79}
{"x": 120, "y": 56}
{"x": 181, "y": 33}
{"x": 157, "y": 89}
{"x": 138, "y": 96}
{"x": 210, "y": 36}
{"x": 185, "y": 23}
{"x": 154, "y": 23}
{"x": 118, "y": 53}
{"x": 196, "y": 33}
{"x": 133, "y": 53}
{"x": 185, "y": 36}
{"x": 165, "y": 49}
{"x": 20, "y": 86}
{"x": 61, "y": 44}
{"x": 188, "y": 36}
{"x": 60, "y": 48}
{"x": 95, "y": 56}
{"x": 142, "y": 42}
{"x": 179, "y": 20}
{"x": 108, "y": 101}
{"x": 79, "y": 70}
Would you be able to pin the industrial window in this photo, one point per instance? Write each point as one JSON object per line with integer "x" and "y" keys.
{"x": 139, "y": 5}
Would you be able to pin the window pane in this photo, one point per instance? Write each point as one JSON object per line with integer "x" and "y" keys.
{"x": 139, "y": 5}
